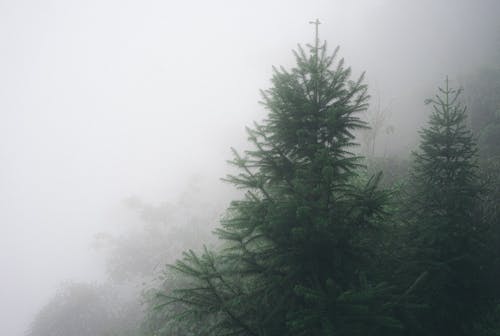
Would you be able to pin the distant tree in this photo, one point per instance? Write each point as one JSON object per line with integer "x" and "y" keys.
{"x": 160, "y": 234}
{"x": 448, "y": 231}
{"x": 484, "y": 101}
{"x": 298, "y": 249}
{"x": 81, "y": 309}
{"x": 133, "y": 259}
{"x": 377, "y": 119}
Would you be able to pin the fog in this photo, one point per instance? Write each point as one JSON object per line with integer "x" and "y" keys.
{"x": 102, "y": 100}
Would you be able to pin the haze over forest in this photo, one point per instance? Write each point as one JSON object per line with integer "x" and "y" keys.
{"x": 107, "y": 103}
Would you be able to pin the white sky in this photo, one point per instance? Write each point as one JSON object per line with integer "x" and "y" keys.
{"x": 101, "y": 99}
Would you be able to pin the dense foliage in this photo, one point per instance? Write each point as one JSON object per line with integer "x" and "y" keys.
{"x": 448, "y": 230}
{"x": 316, "y": 247}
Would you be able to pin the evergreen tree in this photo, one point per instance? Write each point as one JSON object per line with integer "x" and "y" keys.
{"x": 448, "y": 232}
{"x": 298, "y": 249}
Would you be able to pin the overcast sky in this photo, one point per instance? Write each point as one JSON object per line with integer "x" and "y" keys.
{"x": 103, "y": 99}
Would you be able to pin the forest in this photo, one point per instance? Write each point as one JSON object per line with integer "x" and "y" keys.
{"x": 324, "y": 240}
{"x": 325, "y": 225}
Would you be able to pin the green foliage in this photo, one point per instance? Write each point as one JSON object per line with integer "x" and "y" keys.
{"x": 447, "y": 234}
{"x": 316, "y": 247}
{"x": 297, "y": 246}
{"x": 352, "y": 312}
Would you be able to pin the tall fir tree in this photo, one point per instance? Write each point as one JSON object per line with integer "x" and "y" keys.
{"x": 298, "y": 249}
{"x": 448, "y": 234}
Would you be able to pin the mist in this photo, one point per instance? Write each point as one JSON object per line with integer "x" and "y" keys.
{"x": 104, "y": 100}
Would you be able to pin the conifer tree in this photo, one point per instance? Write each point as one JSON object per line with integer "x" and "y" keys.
{"x": 298, "y": 248}
{"x": 447, "y": 233}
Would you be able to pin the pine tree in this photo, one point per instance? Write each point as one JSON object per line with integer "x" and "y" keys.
{"x": 298, "y": 248}
{"x": 447, "y": 233}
